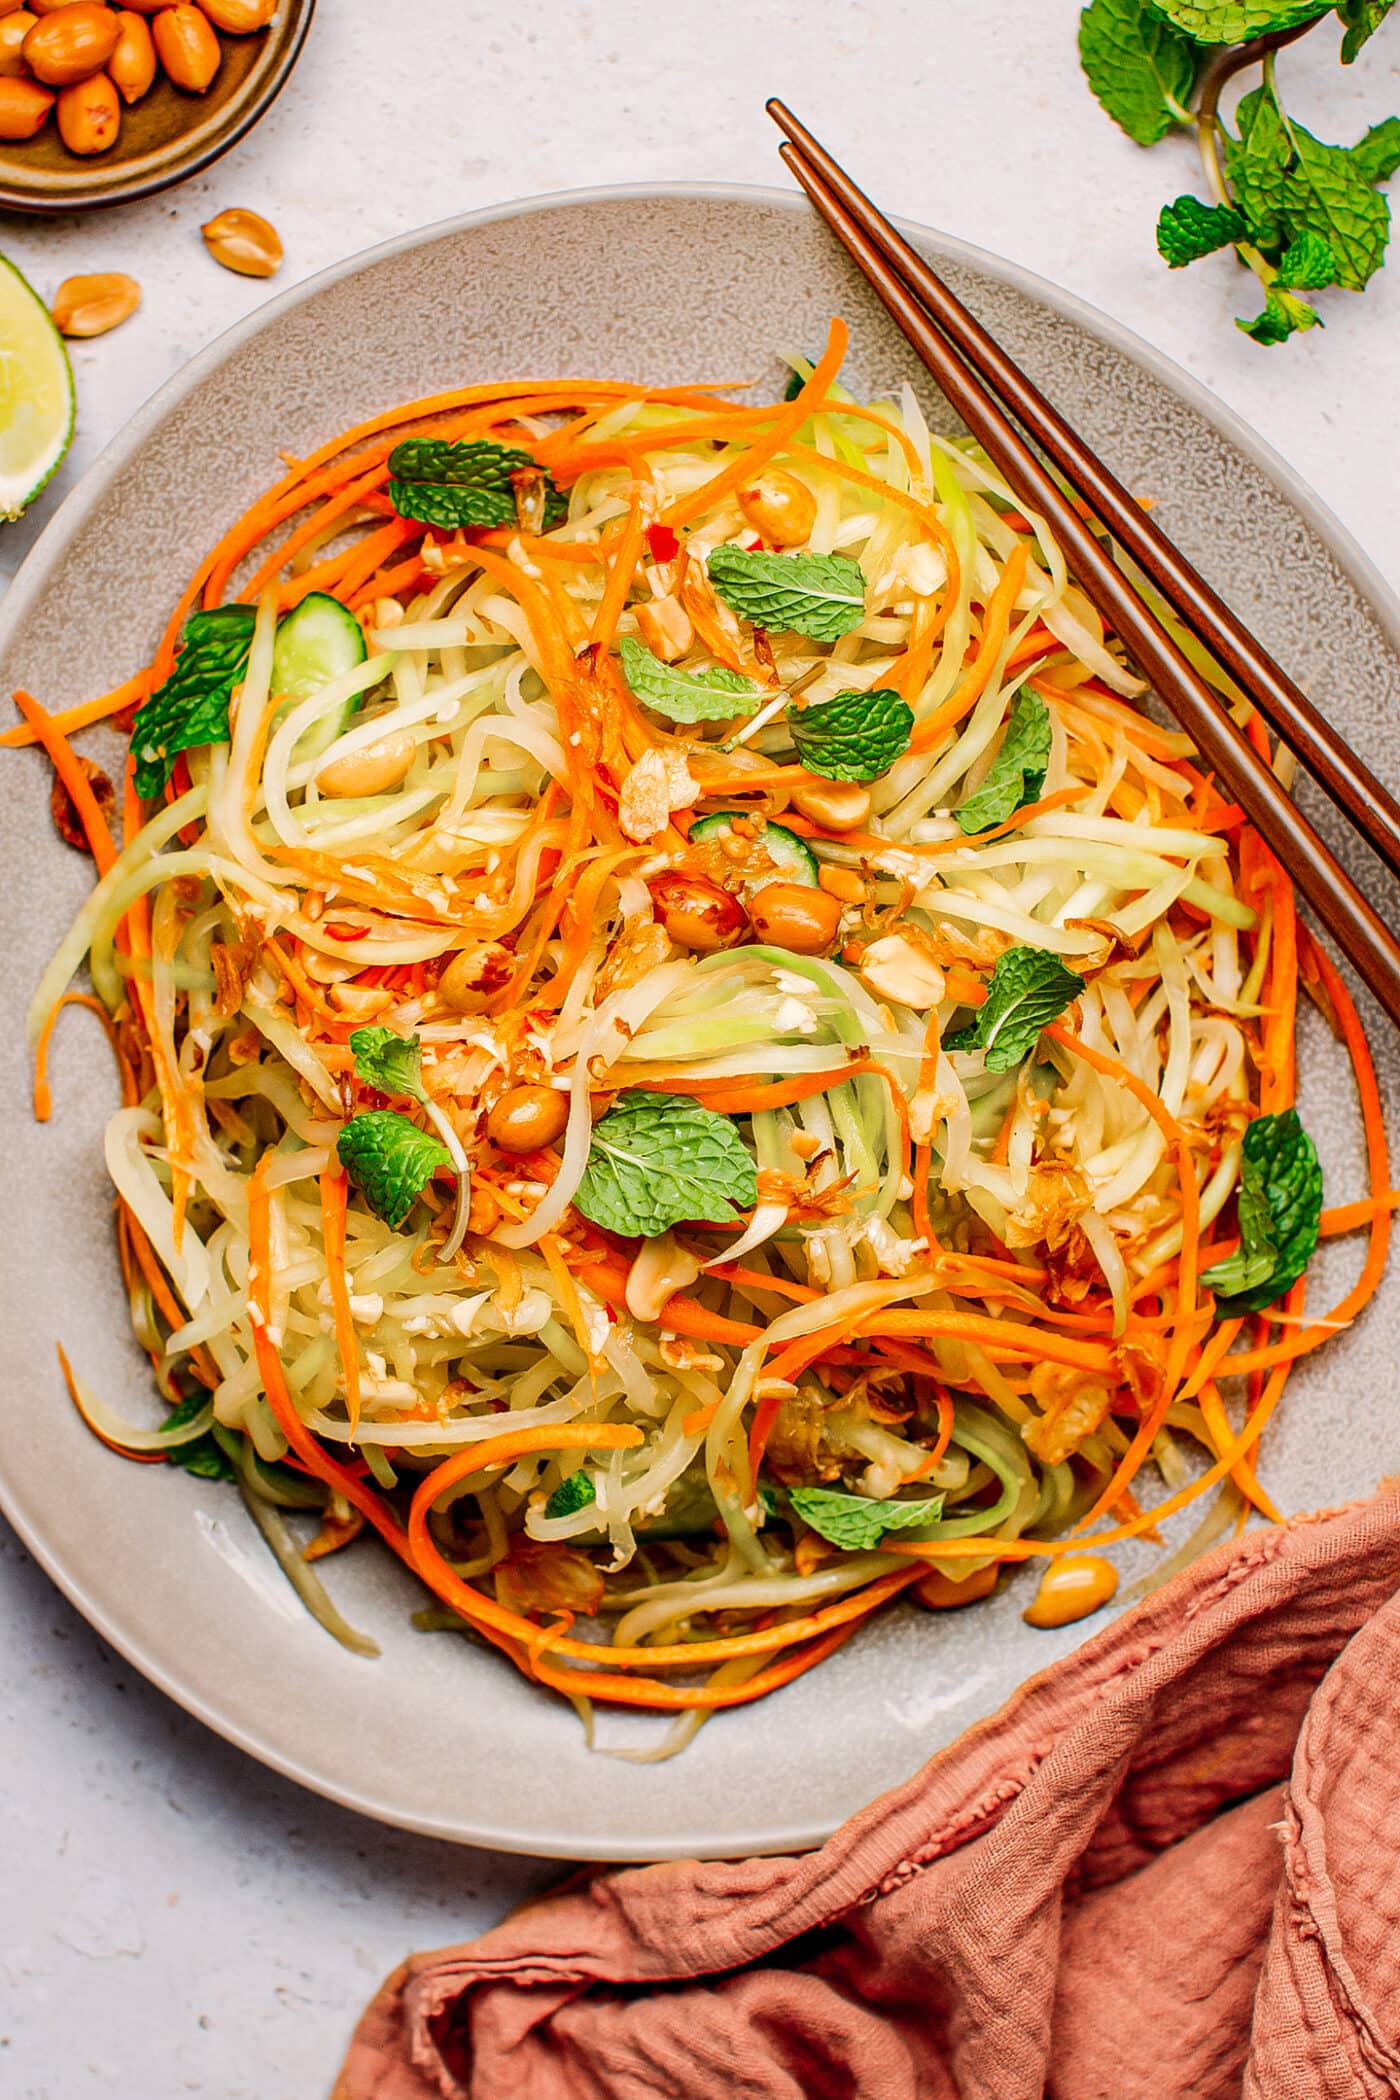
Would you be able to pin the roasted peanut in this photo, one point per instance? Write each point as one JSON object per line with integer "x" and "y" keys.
{"x": 144, "y": 7}
{"x": 779, "y": 506}
{"x": 51, "y": 7}
{"x": 1070, "y": 1589}
{"x": 697, "y": 913}
{"x": 791, "y": 915}
{"x": 13, "y": 31}
{"x": 665, "y": 628}
{"x": 527, "y": 1117}
{"x": 24, "y": 105}
{"x": 92, "y": 305}
{"x": 359, "y": 1002}
{"x": 937, "y": 1591}
{"x": 474, "y": 976}
{"x": 485, "y": 1213}
{"x": 843, "y": 883}
{"x": 187, "y": 47}
{"x": 371, "y": 771}
{"x": 837, "y": 805}
{"x": 897, "y": 969}
{"x": 243, "y": 241}
{"x": 239, "y": 17}
{"x": 8, "y": 7}
{"x": 133, "y": 61}
{"x": 89, "y": 115}
{"x": 71, "y": 44}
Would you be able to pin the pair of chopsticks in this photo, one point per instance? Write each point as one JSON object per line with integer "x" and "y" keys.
{"x": 986, "y": 388}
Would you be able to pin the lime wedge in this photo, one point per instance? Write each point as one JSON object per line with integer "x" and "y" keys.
{"x": 37, "y": 403}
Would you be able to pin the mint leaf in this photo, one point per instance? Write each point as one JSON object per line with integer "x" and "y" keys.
{"x": 819, "y": 595}
{"x": 391, "y": 1159}
{"x": 1236, "y": 21}
{"x": 1307, "y": 264}
{"x": 1288, "y": 183}
{"x": 204, "y": 1456}
{"x": 1278, "y": 1208}
{"x": 571, "y": 1495}
{"x": 449, "y": 482}
{"x": 1018, "y": 771}
{"x": 1377, "y": 156}
{"x": 852, "y": 736}
{"x": 1029, "y": 989}
{"x": 1188, "y": 229}
{"x": 1140, "y": 68}
{"x": 854, "y": 1521}
{"x": 1362, "y": 19}
{"x": 1282, "y": 316}
{"x": 657, "y": 1160}
{"x": 392, "y": 1063}
{"x": 191, "y": 708}
{"x": 686, "y": 696}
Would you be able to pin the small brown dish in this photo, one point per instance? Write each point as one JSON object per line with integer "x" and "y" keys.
{"x": 167, "y": 135}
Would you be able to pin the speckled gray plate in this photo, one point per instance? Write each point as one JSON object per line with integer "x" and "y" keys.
{"x": 661, "y": 285}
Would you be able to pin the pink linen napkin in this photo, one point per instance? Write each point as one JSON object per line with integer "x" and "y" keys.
{"x": 1169, "y": 1869}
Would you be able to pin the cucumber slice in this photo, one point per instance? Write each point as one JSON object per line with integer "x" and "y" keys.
{"x": 790, "y": 855}
{"x": 319, "y": 640}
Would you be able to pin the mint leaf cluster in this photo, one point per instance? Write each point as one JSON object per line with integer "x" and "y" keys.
{"x": 450, "y": 482}
{"x": 1278, "y": 1208}
{"x": 658, "y": 1160}
{"x": 1029, "y": 988}
{"x": 857, "y": 1523}
{"x": 1303, "y": 215}
{"x": 391, "y": 1160}
{"x": 819, "y": 595}
{"x": 1017, "y": 773}
{"x": 852, "y": 736}
{"x": 712, "y": 695}
{"x": 191, "y": 708}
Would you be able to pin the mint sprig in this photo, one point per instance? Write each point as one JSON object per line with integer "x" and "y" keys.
{"x": 391, "y": 1160}
{"x": 192, "y": 707}
{"x": 1029, "y": 988}
{"x": 857, "y": 1523}
{"x": 1300, "y": 213}
{"x": 852, "y": 736}
{"x": 1017, "y": 773}
{"x": 657, "y": 1160}
{"x": 819, "y": 595}
{"x": 712, "y": 695}
{"x": 450, "y": 482}
{"x": 1278, "y": 1208}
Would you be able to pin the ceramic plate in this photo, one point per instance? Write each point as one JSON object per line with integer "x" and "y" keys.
{"x": 659, "y": 285}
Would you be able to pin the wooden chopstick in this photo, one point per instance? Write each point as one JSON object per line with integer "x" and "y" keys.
{"x": 1357, "y": 928}
{"x": 1346, "y": 778}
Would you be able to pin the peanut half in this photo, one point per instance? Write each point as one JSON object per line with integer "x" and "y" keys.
{"x": 243, "y": 241}
{"x": 93, "y": 305}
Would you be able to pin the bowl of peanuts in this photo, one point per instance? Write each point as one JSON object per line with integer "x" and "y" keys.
{"x": 102, "y": 103}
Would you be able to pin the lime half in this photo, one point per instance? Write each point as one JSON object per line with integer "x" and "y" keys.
{"x": 37, "y": 403}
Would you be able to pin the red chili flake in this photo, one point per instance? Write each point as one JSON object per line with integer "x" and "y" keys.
{"x": 753, "y": 546}
{"x": 663, "y": 543}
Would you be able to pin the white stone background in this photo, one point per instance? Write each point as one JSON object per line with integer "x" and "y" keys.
{"x": 174, "y": 1919}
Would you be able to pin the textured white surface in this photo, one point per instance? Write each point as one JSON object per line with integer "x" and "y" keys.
{"x": 173, "y": 1919}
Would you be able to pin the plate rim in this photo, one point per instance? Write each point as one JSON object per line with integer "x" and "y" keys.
{"x": 29, "y": 581}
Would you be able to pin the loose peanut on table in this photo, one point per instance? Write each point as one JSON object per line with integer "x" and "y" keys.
{"x": 243, "y": 241}
{"x": 92, "y": 305}
{"x": 1070, "y": 1589}
{"x": 89, "y": 115}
